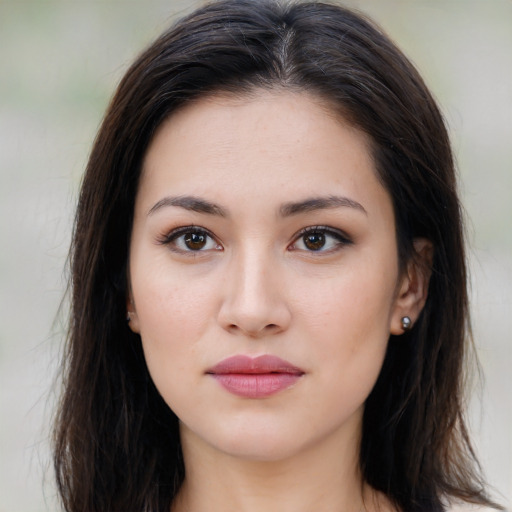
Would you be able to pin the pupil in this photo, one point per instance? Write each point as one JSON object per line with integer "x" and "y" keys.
{"x": 314, "y": 241}
{"x": 195, "y": 241}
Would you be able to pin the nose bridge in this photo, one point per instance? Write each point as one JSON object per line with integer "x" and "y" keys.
{"x": 253, "y": 300}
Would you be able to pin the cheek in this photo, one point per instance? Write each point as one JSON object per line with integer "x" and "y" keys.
{"x": 173, "y": 315}
{"x": 356, "y": 307}
{"x": 172, "y": 322}
{"x": 349, "y": 323}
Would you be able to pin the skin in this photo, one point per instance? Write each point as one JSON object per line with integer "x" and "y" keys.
{"x": 255, "y": 287}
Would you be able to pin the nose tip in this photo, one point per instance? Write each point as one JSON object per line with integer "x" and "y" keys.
{"x": 254, "y": 302}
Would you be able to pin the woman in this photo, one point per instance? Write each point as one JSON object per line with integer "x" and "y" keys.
{"x": 269, "y": 305}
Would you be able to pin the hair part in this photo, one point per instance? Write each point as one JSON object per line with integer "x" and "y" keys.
{"x": 116, "y": 441}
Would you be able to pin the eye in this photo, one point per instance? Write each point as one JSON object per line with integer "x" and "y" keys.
{"x": 190, "y": 239}
{"x": 319, "y": 239}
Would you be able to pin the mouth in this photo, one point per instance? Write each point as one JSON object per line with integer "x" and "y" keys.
{"x": 257, "y": 377}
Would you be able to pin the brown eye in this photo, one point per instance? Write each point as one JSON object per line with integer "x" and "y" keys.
{"x": 195, "y": 241}
{"x": 314, "y": 241}
{"x": 320, "y": 239}
{"x": 189, "y": 239}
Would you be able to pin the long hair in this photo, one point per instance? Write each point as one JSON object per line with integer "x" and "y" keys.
{"x": 117, "y": 443}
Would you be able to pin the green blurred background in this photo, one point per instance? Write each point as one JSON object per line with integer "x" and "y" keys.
{"x": 59, "y": 64}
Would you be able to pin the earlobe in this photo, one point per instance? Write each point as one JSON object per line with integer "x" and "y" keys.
{"x": 413, "y": 290}
{"x": 131, "y": 315}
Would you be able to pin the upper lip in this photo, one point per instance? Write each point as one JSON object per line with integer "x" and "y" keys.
{"x": 254, "y": 365}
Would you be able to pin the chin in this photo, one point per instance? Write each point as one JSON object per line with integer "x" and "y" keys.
{"x": 261, "y": 448}
{"x": 251, "y": 441}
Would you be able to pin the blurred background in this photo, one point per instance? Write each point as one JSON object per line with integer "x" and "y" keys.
{"x": 60, "y": 62}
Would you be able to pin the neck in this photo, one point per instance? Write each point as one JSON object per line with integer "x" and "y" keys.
{"x": 310, "y": 480}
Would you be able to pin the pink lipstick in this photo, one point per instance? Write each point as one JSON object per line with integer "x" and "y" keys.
{"x": 257, "y": 377}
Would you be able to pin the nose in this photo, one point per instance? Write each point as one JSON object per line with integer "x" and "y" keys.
{"x": 254, "y": 301}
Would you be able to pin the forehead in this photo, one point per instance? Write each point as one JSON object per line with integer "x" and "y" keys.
{"x": 270, "y": 142}
{"x": 226, "y": 118}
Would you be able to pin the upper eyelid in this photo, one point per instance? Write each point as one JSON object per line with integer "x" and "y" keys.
{"x": 325, "y": 229}
{"x": 169, "y": 236}
{"x": 340, "y": 238}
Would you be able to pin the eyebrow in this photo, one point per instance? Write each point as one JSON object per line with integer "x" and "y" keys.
{"x": 195, "y": 204}
{"x": 319, "y": 203}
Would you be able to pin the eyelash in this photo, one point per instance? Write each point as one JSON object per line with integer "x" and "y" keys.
{"x": 342, "y": 239}
{"x": 171, "y": 238}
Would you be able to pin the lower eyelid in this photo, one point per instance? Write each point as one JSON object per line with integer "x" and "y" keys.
{"x": 330, "y": 246}
{"x": 170, "y": 237}
{"x": 173, "y": 240}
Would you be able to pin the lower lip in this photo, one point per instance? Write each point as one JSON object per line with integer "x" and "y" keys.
{"x": 259, "y": 385}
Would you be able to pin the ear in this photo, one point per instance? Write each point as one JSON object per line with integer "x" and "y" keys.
{"x": 131, "y": 312}
{"x": 413, "y": 286}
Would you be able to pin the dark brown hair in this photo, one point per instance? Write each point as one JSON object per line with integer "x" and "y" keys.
{"x": 117, "y": 443}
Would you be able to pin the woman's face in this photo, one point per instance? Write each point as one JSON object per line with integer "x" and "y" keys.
{"x": 261, "y": 229}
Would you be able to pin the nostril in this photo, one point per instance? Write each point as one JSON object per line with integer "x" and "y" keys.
{"x": 267, "y": 329}
{"x": 271, "y": 328}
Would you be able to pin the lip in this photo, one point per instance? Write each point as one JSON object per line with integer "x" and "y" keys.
{"x": 255, "y": 377}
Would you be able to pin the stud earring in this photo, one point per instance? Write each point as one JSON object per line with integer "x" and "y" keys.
{"x": 128, "y": 317}
{"x": 406, "y": 323}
